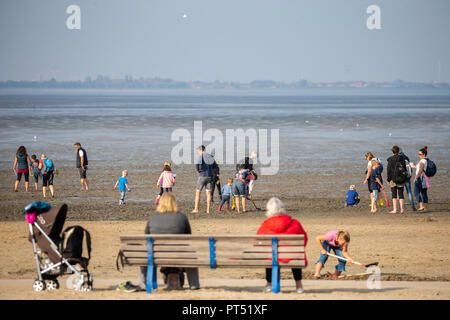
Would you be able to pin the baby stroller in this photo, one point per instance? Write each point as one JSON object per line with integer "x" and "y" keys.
{"x": 59, "y": 253}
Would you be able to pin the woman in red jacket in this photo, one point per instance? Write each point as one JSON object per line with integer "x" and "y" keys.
{"x": 280, "y": 223}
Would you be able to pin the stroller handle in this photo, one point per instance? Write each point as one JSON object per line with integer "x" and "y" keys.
{"x": 30, "y": 217}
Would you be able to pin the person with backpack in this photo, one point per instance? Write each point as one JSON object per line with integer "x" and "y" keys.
{"x": 424, "y": 170}
{"x": 397, "y": 174}
{"x": 408, "y": 188}
{"x": 47, "y": 168}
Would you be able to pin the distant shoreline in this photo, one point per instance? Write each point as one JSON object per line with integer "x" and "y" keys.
{"x": 130, "y": 83}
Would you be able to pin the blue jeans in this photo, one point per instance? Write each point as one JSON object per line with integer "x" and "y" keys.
{"x": 408, "y": 191}
{"x": 225, "y": 199}
{"x": 337, "y": 251}
{"x": 420, "y": 192}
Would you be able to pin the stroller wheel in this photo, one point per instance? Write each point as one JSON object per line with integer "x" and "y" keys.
{"x": 52, "y": 284}
{"x": 39, "y": 285}
{"x": 86, "y": 286}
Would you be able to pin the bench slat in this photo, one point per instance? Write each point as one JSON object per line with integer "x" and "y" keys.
{"x": 127, "y": 237}
{"x": 204, "y": 255}
{"x": 219, "y": 263}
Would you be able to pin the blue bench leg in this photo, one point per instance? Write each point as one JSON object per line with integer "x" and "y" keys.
{"x": 275, "y": 279}
{"x": 154, "y": 278}
{"x": 151, "y": 273}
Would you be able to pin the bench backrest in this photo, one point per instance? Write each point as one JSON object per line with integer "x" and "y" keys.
{"x": 178, "y": 250}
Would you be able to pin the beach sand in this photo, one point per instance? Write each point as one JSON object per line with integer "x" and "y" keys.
{"x": 407, "y": 247}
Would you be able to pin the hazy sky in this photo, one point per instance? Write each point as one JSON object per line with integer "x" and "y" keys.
{"x": 227, "y": 40}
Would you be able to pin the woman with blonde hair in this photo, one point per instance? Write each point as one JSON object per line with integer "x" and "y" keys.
{"x": 278, "y": 222}
{"x": 166, "y": 220}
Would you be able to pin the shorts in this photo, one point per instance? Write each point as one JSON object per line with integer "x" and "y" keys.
{"x": 204, "y": 182}
{"x": 36, "y": 177}
{"x": 239, "y": 188}
{"x": 26, "y": 175}
{"x": 47, "y": 179}
{"x": 83, "y": 172}
{"x": 399, "y": 191}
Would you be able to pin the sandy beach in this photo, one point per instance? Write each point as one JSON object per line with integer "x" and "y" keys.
{"x": 404, "y": 245}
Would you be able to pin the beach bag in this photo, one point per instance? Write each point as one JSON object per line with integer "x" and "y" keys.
{"x": 431, "y": 168}
{"x": 408, "y": 169}
{"x": 73, "y": 243}
{"x": 400, "y": 171}
{"x": 48, "y": 165}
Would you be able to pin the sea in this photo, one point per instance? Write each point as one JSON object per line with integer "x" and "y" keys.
{"x": 305, "y": 129}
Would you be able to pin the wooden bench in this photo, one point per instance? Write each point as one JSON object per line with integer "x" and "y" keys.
{"x": 221, "y": 251}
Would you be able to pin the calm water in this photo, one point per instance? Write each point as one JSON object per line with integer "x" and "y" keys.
{"x": 323, "y": 127}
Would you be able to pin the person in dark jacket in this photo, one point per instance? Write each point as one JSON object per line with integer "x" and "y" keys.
{"x": 205, "y": 164}
{"x": 408, "y": 181}
{"x": 396, "y": 186}
{"x": 22, "y": 166}
{"x": 215, "y": 183}
{"x": 82, "y": 165}
{"x": 280, "y": 223}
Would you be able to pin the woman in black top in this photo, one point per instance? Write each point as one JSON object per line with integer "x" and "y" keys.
{"x": 22, "y": 166}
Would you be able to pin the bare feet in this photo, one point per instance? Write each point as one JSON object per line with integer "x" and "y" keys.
{"x": 393, "y": 212}
{"x": 194, "y": 211}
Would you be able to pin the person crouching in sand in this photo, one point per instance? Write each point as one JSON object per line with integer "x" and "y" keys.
{"x": 122, "y": 182}
{"x": 352, "y": 197}
{"x": 337, "y": 241}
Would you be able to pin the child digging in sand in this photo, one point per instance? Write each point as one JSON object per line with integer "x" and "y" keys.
{"x": 352, "y": 197}
{"x": 338, "y": 241}
{"x": 123, "y": 186}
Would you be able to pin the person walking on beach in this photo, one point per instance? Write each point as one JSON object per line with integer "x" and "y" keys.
{"x": 409, "y": 190}
{"x": 167, "y": 179}
{"x": 82, "y": 165}
{"x": 36, "y": 173}
{"x": 47, "y": 168}
{"x": 278, "y": 222}
{"x": 375, "y": 184}
{"x": 421, "y": 181}
{"x": 240, "y": 189}
{"x": 215, "y": 182}
{"x": 226, "y": 195}
{"x": 122, "y": 182}
{"x": 247, "y": 163}
{"x": 160, "y": 183}
{"x": 397, "y": 175}
{"x": 204, "y": 165}
{"x": 22, "y": 166}
{"x": 369, "y": 157}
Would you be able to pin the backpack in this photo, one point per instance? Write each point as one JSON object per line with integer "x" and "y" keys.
{"x": 48, "y": 165}
{"x": 400, "y": 171}
{"x": 431, "y": 168}
{"x": 72, "y": 243}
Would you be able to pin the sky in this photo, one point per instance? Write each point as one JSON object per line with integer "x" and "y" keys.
{"x": 227, "y": 40}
